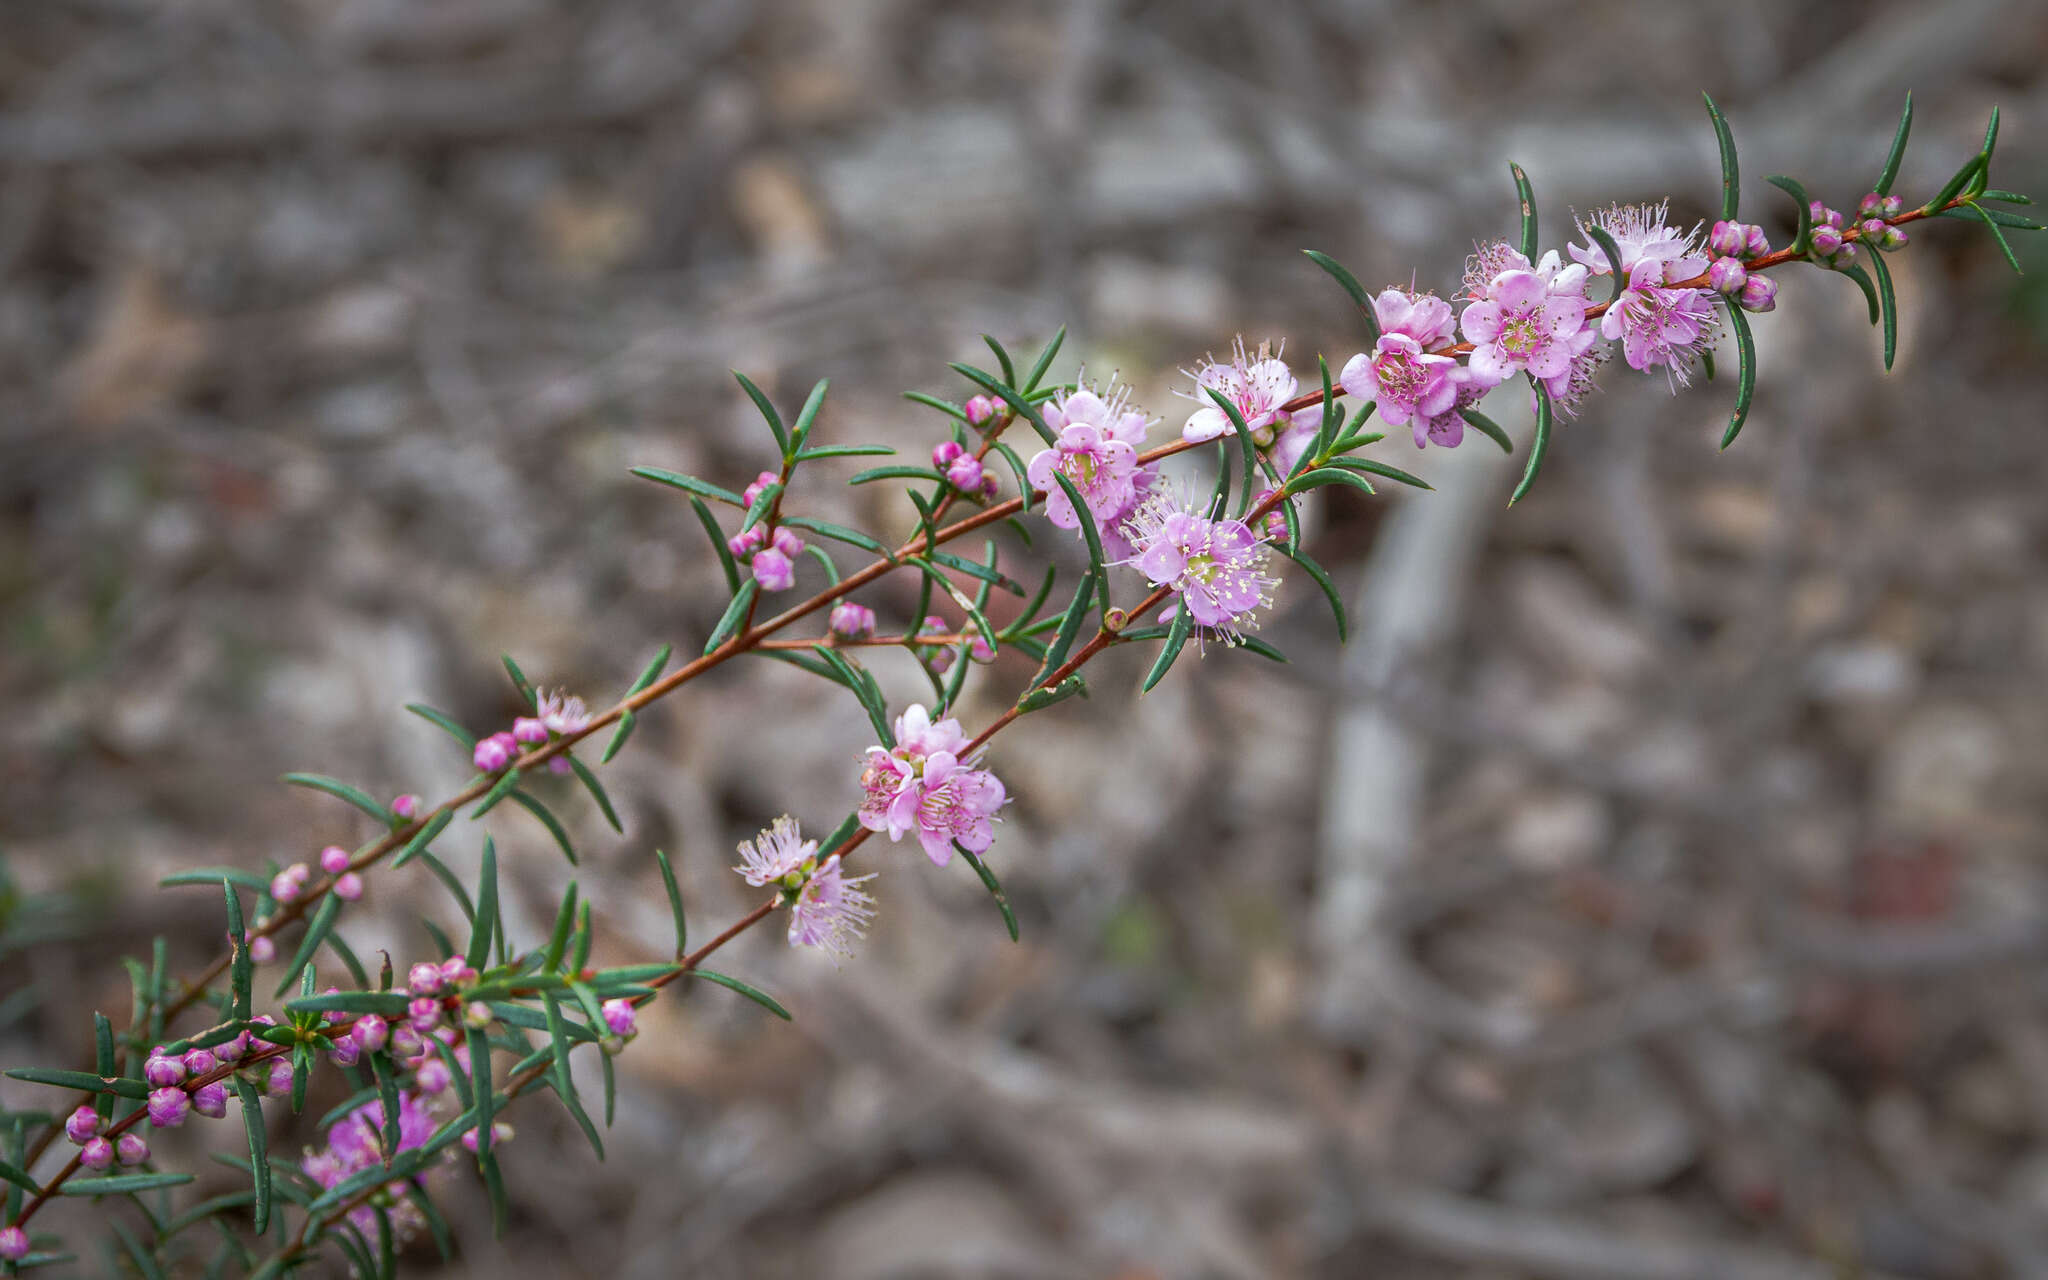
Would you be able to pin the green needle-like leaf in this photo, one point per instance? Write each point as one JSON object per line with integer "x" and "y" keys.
{"x": 807, "y": 417}
{"x": 341, "y": 791}
{"x": 1731, "y": 174}
{"x": 478, "y": 956}
{"x": 444, "y": 722}
{"x": 675, "y": 899}
{"x": 768, "y": 414}
{"x": 1802, "y": 241}
{"x": 1489, "y": 428}
{"x": 1745, "y": 372}
{"x": 735, "y": 613}
{"x": 425, "y": 836}
{"x": 1351, "y": 286}
{"x": 1176, "y": 639}
{"x": 1889, "y": 305}
{"x": 690, "y": 484}
{"x": 1526, "y": 195}
{"x": 1890, "y": 173}
{"x": 1322, "y": 579}
{"x": 1044, "y": 361}
{"x": 755, "y": 994}
{"x": 259, "y": 1157}
{"x": 1544, "y": 415}
{"x": 1862, "y": 279}
{"x": 1616, "y": 276}
{"x": 995, "y": 889}
{"x": 316, "y": 933}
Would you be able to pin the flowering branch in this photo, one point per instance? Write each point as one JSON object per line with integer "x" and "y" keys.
{"x": 1206, "y": 560}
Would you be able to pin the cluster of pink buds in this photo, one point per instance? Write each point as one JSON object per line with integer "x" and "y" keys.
{"x": 983, "y": 410}
{"x": 828, "y": 909}
{"x": 556, "y": 714}
{"x": 1827, "y": 241}
{"x": 86, "y": 1130}
{"x": 937, "y": 658}
{"x": 963, "y": 470}
{"x": 169, "y": 1101}
{"x": 850, "y": 621}
{"x": 771, "y": 556}
{"x": 1875, "y": 213}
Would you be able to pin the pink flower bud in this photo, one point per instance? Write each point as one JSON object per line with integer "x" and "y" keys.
{"x": 787, "y": 543}
{"x": 1869, "y": 205}
{"x": 167, "y": 1107}
{"x": 405, "y": 808}
{"x": 345, "y": 1051}
{"x": 284, "y": 886}
{"x": 370, "y": 1033}
{"x": 1823, "y": 216}
{"x": 980, "y": 649}
{"x": 619, "y": 1016}
{"x": 773, "y": 570}
{"x": 1275, "y": 520}
{"x": 1826, "y": 240}
{"x": 432, "y": 1076}
{"x": 944, "y": 452}
{"x": 13, "y": 1244}
{"x": 852, "y": 621}
{"x": 405, "y": 1042}
{"x": 348, "y": 886}
{"x": 558, "y": 765}
{"x": 81, "y": 1125}
{"x": 1760, "y": 294}
{"x": 1873, "y": 228}
{"x": 1727, "y": 276}
{"x": 981, "y": 410}
{"x": 160, "y": 1072}
{"x": 988, "y": 487}
{"x": 1727, "y": 239}
{"x": 423, "y": 1013}
{"x": 965, "y": 474}
{"x": 424, "y": 978}
{"x": 743, "y": 545}
{"x": 500, "y": 1132}
{"x": 131, "y": 1149}
{"x": 262, "y": 949}
{"x": 940, "y": 662}
{"x": 211, "y": 1100}
{"x": 761, "y": 481}
{"x": 334, "y": 859}
{"x": 200, "y": 1061}
{"x": 98, "y": 1154}
{"x": 529, "y": 732}
{"x": 278, "y": 1081}
{"x": 456, "y": 971}
{"x": 476, "y": 1014}
{"x": 495, "y": 752}
{"x": 1756, "y": 242}
{"x": 933, "y": 625}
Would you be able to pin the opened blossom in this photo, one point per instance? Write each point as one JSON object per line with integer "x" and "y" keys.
{"x": 923, "y": 785}
{"x": 831, "y": 911}
{"x": 1096, "y": 443}
{"x": 776, "y": 853}
{"x": 1403, "y": 371}
{"x": 1657, "y": 325}
{"x": 1256, "y": 386}
{"x": 1216, "y": 567}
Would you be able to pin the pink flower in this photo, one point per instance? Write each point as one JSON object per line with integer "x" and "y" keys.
{"x": 1421, "y": 316}
{"x": 1658, "y": 326}
{"x": 356, "y": 1142}
{"x": 922, "y": 785}
{"x": 776, "y": 853}
{"x": 773, "y": 570}
{"x": 562, "y": 712}
{"x": 1639, "y": 232}
{"x": 1256, "y": 387}
{"x": 492, "y": 755}
{"x": 831, "y": 911}
{"x": 1097, "y": 450}
{"x": 1406, "y": 381}
{"x": 1216, "y": 567}
{"x": 1295, "y": 438}
{"x": 1523, "y": 325}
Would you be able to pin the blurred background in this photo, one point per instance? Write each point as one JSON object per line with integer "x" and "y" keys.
{"x": 1654, "y": 887}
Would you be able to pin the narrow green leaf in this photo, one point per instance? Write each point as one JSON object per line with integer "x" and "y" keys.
{"x": 1489, "y": 428}
{"x": 547, "y": 819}
{"x": 842, "y": 833}
{"x": 1974, "y": 165}
{"x": 1044, "y": 361}
{"x": 758, "y": 508}
{"x": 1616, "y": 276}
{"x": 425, "y": 836}
{"x": 1379, "y": 468}
{"x": 903, "y": 472}
{"x": 1544, "y": 415}
{"x": 341, "y": 791}
{"x": 1002, "y": 359}
{"x": 1997, "y": 235}
{"x": 1069, "y": 629}
{"x": 726, "y": 564}
{"x": 259, "y": 1157}
{"x": 675, "y": 900}
{"x": 1322, "y": 580}
{"x": 838, "y": 533}
{"x": 1971, "y": 211}
{"x": 479, "y": 954}
{"x": 689, "y": 484}
{"x": 755, "y": 994}
{"x": 316, "y": 932}
{"x": 1242, "y": 433}
{"x": 1991, "y": 136}
{"x": 1803, "y": 240}
{"x": 123, "y": 1184}
{"x": 1021, "y": 405}
{"x": 383, "y": 1003}
{"x": 1731, "y": 175}
{"x": 1087, "y": 519}
{"x": 388, "y": 1103}
{"x": 946, "y": 407}
{"x": 806, "y": 418}
{"x": 735, "y": 613}
{"x": 519, "y": 680}
{"x": 985, "y": 572}
{"x": 503, "y": 787}
{"x": 443, "y": 722}
{"x": 211, "y": 876}
{"x": 1889, "y": 305}
{"x": 144, "y": 1259}
{"x": 82, "y": 1080}
{"x": 1525, "y": 195}
{"x": 767, "y": 409}
{"x": 480, "y": 1066}
{"x": 1890, "y": 173}
{"x": 995, "y": 890}
{"x": 19, "y": 1178}
{"x": 1352, "y": 287}
{"x": 625, "y": 730}
{"x": 844, "y": 451}
{"x": 2004, "y": 197}
{"x": 1176, "y": 639}
{"x": 1707, "y": 362}
{"x": 1862, "y": 279}
{"x": 1745, "y": 372}
{"x": 1041, "y": 698}
{"x": 597, "y": 792}
{"x": 241, "y": 966}
{"x": 1331, "y": 474}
